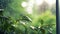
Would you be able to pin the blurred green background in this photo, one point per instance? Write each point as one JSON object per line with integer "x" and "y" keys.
{"x": 28, "y": 17}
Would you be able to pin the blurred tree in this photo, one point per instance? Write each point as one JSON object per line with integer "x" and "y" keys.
{"x": 43, "y": 7}
{"x": 53, "y": 9}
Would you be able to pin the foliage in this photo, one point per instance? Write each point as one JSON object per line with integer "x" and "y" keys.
{"x": 16, "y": 21}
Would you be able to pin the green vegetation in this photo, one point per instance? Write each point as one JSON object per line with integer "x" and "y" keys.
{"x": 16, "y": 20}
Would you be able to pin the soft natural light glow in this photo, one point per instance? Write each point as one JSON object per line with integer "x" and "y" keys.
{"x": 24, "y": 4}
{"x": 30, "y": 6}
{"x": 30, "y": 3}
{"x": 50, "y": 1}
{"x": 29, "y": 10}
{"x": 38, "y": 2}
